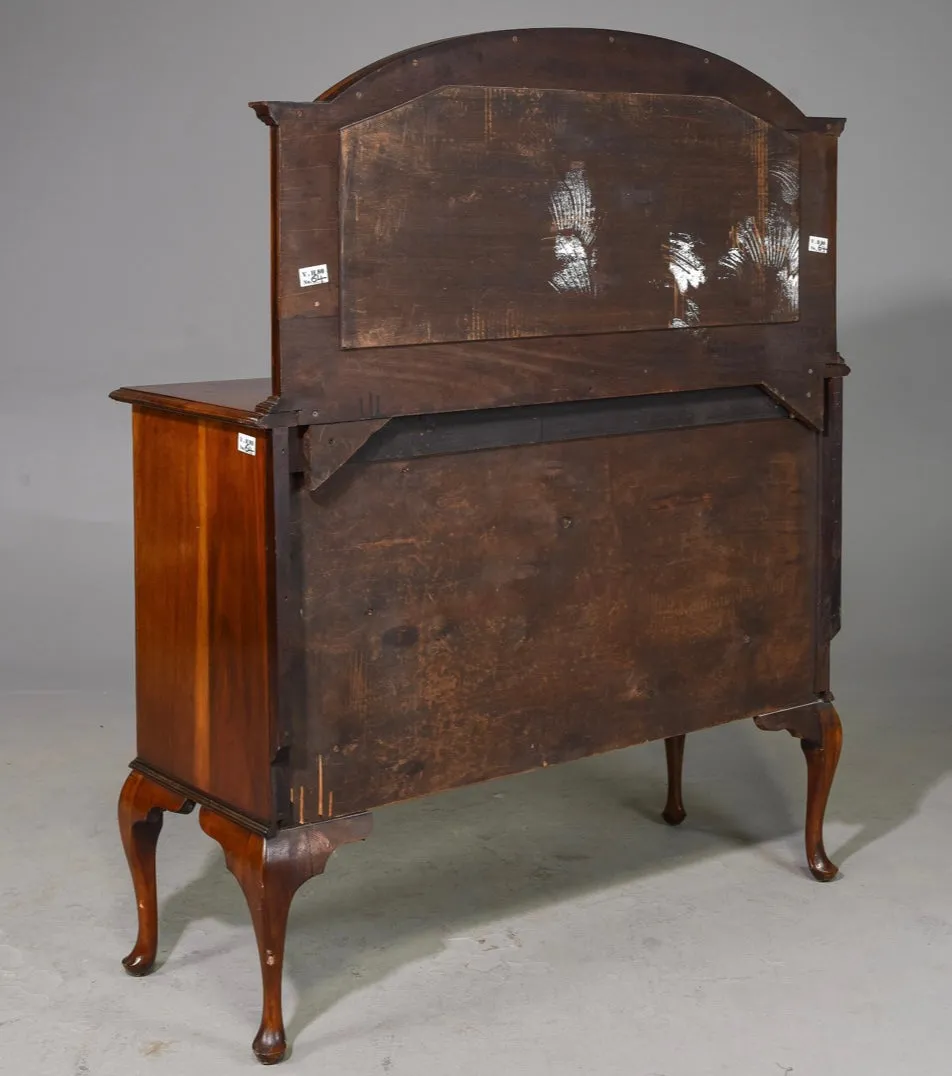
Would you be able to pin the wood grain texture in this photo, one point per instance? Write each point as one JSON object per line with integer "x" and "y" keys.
{"x": 270, "y": 871}
{"x": 325, "y": 448}
{"x": 832, "y": 541}
{"x": 236, "y": 400}
{"x": 202, "y": 613}
{"x": 820, "y": 732}
{"x": 536, "y": 507}
{"x": 822, "y": 757}
{"x": 313, "y": 374}
{"x": 306, "y": 221}
{"x": 476, "y": 615}
{"x": 829, "y": 566}
{"x": 331, "y": 385}
{"x": 477, "y": 213}
{"x": 142, "y": 804}
{"x": 610, "y": 61}
{"x": 413, "y": 436}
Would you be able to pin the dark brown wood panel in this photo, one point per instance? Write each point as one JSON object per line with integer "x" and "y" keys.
{"x": 329, "y": 385}
{"x": 474, "y": 615}
{"x": 477, "y": 213}
{"x": 829, "y": 564}
{"x": 202, "y": 612}
{"x": 413, "y": 436}
{"x": 307, "y": 217}
{"x": 611, "y": 61}
{"x": 312, "y": 371}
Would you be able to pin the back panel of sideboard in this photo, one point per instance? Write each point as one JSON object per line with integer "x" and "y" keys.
{"x": 473, "y": 614}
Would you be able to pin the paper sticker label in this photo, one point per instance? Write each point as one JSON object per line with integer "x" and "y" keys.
{"x": 819, "y": 244}
{"x": 247, "y": 444}
{"x": 313, "y": 274}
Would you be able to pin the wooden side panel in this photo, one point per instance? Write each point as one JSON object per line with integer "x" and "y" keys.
{"x": 478, "y": 213}
{"x": 473, "y": 615}
{"x": 829, "y": 564}
{"x": 305, "y": 205}
{"x": 202, "y": 585}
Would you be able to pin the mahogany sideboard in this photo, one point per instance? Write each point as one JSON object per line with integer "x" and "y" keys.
{"x": 548, "y": 463}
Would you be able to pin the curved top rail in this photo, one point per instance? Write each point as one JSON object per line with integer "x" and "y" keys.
{"x": 564, "y": 58}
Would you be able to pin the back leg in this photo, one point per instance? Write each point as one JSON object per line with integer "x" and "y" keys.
{"x": 674, "y": 813}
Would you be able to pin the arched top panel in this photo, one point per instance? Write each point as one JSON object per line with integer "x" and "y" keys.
{"x": 563, "y": 58}
{"x": 529, "y": 216}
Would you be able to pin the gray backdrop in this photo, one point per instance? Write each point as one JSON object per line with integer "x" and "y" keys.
{"x": 134, "y": 249}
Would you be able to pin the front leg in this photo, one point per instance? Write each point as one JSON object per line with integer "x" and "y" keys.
{"x": 821, "y": 737}
{"x": 270, "y": 870}
{"x": 141, "y": 806}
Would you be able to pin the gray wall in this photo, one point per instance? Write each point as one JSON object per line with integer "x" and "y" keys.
{"x": 134, "y": 249}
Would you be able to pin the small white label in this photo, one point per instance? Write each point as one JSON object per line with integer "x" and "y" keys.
{"x": 247, "y": 444}
{"x": 819, "y": 244}
{"x": 313, "y": 274}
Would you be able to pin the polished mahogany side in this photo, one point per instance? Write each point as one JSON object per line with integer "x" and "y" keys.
{"x": 270, "y": 871}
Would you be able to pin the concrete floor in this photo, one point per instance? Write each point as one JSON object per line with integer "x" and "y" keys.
{"x": 542, "y": 924}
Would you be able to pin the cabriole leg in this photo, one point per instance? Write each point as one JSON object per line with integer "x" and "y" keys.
{"x": 674, "y": 813}
{"x": 822, "y": 755}
{"x": 141, "y": 806}
{"x": 270, "y": 870}
{"x": 821, "y": 737}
